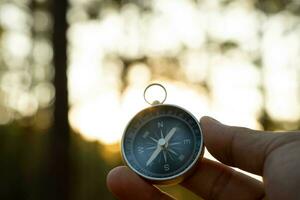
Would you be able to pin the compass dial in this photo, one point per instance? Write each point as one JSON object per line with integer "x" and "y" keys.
{"x": 162, "y": 143}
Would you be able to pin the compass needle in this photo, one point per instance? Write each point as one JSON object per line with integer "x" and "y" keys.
{"x": 170, "y": 134}
{"x": 154, "y": 155}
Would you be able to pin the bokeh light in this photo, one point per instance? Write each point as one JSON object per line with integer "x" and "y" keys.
{"x": 179, "y": 44}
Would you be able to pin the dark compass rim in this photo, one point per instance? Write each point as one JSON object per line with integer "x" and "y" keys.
{"x": 183, "y": 172}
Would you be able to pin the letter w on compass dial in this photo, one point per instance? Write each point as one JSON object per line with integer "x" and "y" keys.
{"x": 163, "y": 146}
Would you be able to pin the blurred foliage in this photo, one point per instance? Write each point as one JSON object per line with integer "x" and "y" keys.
{"x": 24, "y": 163}
{"x": 275, "y": 6}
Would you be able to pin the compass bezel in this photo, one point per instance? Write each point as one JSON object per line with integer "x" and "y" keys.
{"x": 174, "y": 178}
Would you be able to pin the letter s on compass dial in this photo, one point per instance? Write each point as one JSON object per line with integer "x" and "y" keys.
{"x": 163, "y": 144}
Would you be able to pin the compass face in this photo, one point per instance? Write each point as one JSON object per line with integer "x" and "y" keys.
{"x": 162, "y": 142}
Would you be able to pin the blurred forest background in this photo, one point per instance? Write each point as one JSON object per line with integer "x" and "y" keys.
{"x": 72, "y": 74}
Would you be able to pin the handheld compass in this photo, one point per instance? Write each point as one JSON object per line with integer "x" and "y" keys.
{"x": 163, "y": 142}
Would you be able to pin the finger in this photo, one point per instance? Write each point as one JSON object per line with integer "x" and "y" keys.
{"x": 213, "y": 180}
{"x": 125, "y": 184}
{"x": 239, "y": 147}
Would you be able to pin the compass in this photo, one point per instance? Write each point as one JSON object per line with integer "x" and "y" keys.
{"x": 162, "y": 143}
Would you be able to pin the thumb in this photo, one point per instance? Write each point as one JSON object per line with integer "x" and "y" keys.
{"x": 239, "y": 147}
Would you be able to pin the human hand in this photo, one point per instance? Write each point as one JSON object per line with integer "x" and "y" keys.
{"x": 274, "y": 156}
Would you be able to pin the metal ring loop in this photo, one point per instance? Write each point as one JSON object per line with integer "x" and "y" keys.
{"x": 155, "y": 102}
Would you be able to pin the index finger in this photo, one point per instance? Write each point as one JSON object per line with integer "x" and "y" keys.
{"x": 237, "y": 146}
{"x": 214, "y": 180}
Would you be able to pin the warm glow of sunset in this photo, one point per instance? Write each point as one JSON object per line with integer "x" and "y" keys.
{"x": 105, "y": 118}
{"x": 100, "y": 111}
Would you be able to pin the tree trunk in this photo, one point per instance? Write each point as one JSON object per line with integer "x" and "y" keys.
{"x": 60, "y": 134}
